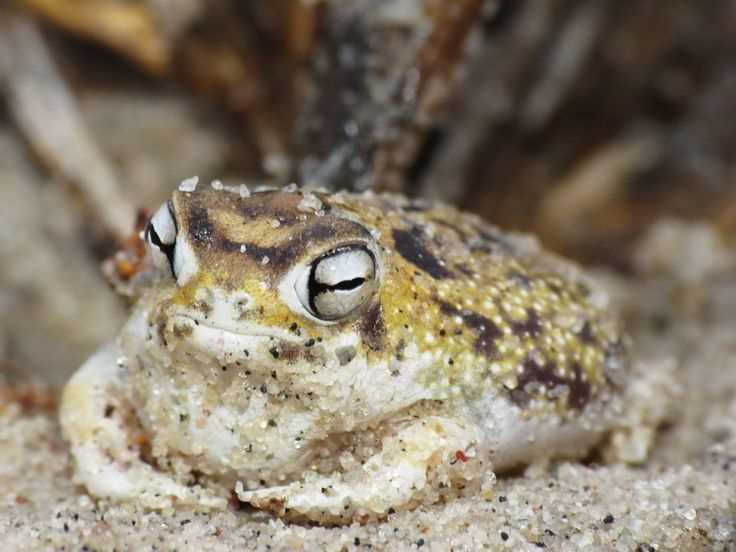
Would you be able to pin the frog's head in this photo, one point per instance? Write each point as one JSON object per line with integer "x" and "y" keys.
{"x": 275, "y": 273}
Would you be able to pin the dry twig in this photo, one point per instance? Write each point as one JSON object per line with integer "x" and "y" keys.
{"x": 47, "y": 114}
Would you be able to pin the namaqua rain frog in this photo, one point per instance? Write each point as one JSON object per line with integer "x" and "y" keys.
{"x": 337, "y": 357}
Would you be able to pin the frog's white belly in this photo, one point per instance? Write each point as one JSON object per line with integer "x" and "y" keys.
{"x": 250, "y": 427}
{"x": 237, "y": 439}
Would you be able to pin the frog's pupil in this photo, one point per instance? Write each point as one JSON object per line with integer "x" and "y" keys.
{"x": 317, "y": 288}
{"x": 347, "y": 284}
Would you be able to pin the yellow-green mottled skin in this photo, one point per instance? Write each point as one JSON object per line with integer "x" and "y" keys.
{"x": 493, "y": 306}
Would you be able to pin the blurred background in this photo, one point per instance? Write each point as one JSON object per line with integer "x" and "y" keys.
{"x": 583, "y": 121}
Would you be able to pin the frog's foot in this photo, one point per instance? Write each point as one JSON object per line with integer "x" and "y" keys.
{"x": 98, "y": 425}
{"x": 412, "y": 465}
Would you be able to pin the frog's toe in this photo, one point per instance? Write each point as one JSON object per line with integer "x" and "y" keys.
{"x": 273, "y": 499}
{"x": 325, "y": 500}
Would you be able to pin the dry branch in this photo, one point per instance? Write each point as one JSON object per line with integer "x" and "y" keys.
{"x": 382, "y": 76}
{"x": 46, "y": 112}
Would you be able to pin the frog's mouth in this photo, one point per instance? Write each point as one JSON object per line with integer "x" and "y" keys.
{"x": 231, "y": 341}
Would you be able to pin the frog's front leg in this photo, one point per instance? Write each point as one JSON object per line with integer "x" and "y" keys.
{"x": 97, "y": 421}
{"x": 426, "y": 452}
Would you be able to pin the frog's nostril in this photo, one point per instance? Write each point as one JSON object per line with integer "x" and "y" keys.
{"x": 241, "y": 304}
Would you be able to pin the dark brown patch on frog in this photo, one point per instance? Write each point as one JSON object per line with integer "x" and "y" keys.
{"x": 487, "y": 333}
{"x": 372, "y": 328}
{"x": 201, "y": 211}
{"x": 200, "y": 227}
{"x": 284, "y": 255}
{"x": 265, "y": 204}
{"x": 579, "y": 394}
{"x": 586, "y": 334}
{"x": 252, "y": 210}
{"x": 531, "y": 327}
{"x": 485, "y": 330}
{"x": 411, "y": 246}
{"x": 326, "y": 230}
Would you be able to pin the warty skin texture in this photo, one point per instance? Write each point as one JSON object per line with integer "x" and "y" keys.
{"x": 470, "y": 350}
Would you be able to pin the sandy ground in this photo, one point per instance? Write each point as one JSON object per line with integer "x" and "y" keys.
{"x": 683, "y": 498}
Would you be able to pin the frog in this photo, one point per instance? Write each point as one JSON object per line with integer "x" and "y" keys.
{"x": 336, "y": 357}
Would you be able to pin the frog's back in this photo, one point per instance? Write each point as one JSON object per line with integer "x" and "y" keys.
{"x": 503, "y": 317}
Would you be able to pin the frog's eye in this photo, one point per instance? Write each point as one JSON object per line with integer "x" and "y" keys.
{"x": 161, "y": 238}
{"x": 338, "y": 283}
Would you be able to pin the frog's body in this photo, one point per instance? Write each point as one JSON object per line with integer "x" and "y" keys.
{"x": 447, "y": 350}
